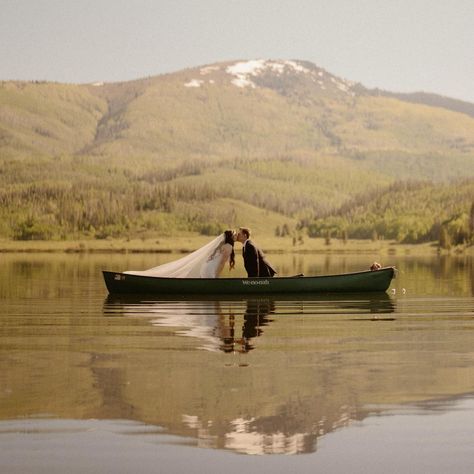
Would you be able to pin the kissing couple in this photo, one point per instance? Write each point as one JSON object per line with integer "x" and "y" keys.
{"x": 255, "y": 262}
{"x": 209, "y": 261}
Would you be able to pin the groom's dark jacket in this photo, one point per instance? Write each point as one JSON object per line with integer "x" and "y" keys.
{"x": 255, "y": 262}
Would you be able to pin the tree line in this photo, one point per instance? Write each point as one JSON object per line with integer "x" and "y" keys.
{"x": 408, "y": 212}
{"x": 79, "y": 197}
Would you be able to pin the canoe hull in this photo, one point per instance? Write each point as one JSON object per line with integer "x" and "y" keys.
{"x": 366, "y": 281}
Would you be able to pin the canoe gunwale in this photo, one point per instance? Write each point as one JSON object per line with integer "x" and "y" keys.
{"x": 294, "y": 277}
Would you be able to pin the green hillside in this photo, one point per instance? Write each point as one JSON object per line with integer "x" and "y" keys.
{"x": 198, "y": 150}
{"x": 407, "y": 212}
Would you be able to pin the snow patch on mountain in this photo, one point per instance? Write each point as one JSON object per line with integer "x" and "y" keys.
{"x": 245, "y": 74}
{"x": 245, "y": 70}
{"x": 208, "y": 70}
{"x": 343, "y": 85}
{"x": 194, "y": 83}
{"x": 297, "y": 67}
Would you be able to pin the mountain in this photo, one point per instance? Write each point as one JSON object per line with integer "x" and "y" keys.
{"x": 433, "y": 100}
{"x": 188, "y": 150}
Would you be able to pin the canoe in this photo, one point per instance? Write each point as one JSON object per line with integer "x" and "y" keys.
{"x": 365, "y": 281}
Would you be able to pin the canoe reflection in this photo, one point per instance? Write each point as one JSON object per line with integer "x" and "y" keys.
{"x": 231, "y": 324}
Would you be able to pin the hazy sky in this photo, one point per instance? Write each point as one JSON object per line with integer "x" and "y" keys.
{"x": 398, "y": 45}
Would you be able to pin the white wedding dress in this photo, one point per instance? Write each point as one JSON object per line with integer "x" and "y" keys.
{"x": 202, "y": 263}
{"x": 209, "y": 268}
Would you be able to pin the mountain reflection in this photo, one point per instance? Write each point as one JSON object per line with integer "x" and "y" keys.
{"x": 278, "y": 411}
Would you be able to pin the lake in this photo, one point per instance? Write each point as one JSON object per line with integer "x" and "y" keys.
{"x": 361, "y": 384}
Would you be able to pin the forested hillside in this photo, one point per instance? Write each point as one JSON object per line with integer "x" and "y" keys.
{"x": 409, "y": 212}
{"x": 272, "y": 143}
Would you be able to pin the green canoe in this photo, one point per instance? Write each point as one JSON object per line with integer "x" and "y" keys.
{"x": 365, "y": 281}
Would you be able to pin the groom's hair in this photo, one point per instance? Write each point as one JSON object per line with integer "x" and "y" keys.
{"x": 245, "y": 231}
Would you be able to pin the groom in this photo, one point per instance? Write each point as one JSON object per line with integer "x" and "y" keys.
{"x": 254, "y": 260}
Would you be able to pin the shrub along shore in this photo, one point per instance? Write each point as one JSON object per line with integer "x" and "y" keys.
{"x": 188, "y": 243}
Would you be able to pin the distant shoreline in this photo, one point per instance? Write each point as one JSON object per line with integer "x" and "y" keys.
{"x": 186, "y": 244}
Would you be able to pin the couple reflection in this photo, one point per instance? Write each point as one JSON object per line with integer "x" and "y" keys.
{"x": 228, "y": 325}
{"x": 237, "y": 337}
{"x": 233, "y": 325}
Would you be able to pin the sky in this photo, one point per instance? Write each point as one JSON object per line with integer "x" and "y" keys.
{"x": 396, "y": 45}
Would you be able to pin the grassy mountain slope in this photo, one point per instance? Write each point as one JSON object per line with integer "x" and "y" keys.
{"x": 46, "y": 119}
{"x": 432, "y": 100}
{"x": 164, "y": 153}
{"x": 283, "y": 115}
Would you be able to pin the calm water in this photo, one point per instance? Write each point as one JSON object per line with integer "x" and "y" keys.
{"x": 376, "y": 383}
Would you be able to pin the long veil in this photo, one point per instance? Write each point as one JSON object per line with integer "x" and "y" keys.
{"x": 186, "y": 267}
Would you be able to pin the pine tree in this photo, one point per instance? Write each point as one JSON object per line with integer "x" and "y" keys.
{"x": 444, "y": 238}
{"x": 471, "y": 223}
{"x": 328, "y": 238}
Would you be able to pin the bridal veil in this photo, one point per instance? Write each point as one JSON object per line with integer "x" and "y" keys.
{"x": 186, "y": 267}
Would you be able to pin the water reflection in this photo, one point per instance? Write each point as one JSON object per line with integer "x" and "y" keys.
{"x": 252, "y": 375}
{"x": 230, "y": 324}
{"x": 259, "y": 412}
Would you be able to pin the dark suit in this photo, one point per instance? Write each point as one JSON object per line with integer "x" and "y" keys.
{"x": 255, "y": 262}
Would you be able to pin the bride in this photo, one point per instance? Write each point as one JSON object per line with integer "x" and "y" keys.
{"x": 224, "y": 252}
{"x": 206, "y": 262}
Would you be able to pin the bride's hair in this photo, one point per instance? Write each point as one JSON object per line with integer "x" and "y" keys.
{"x": 229, "y": 239}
